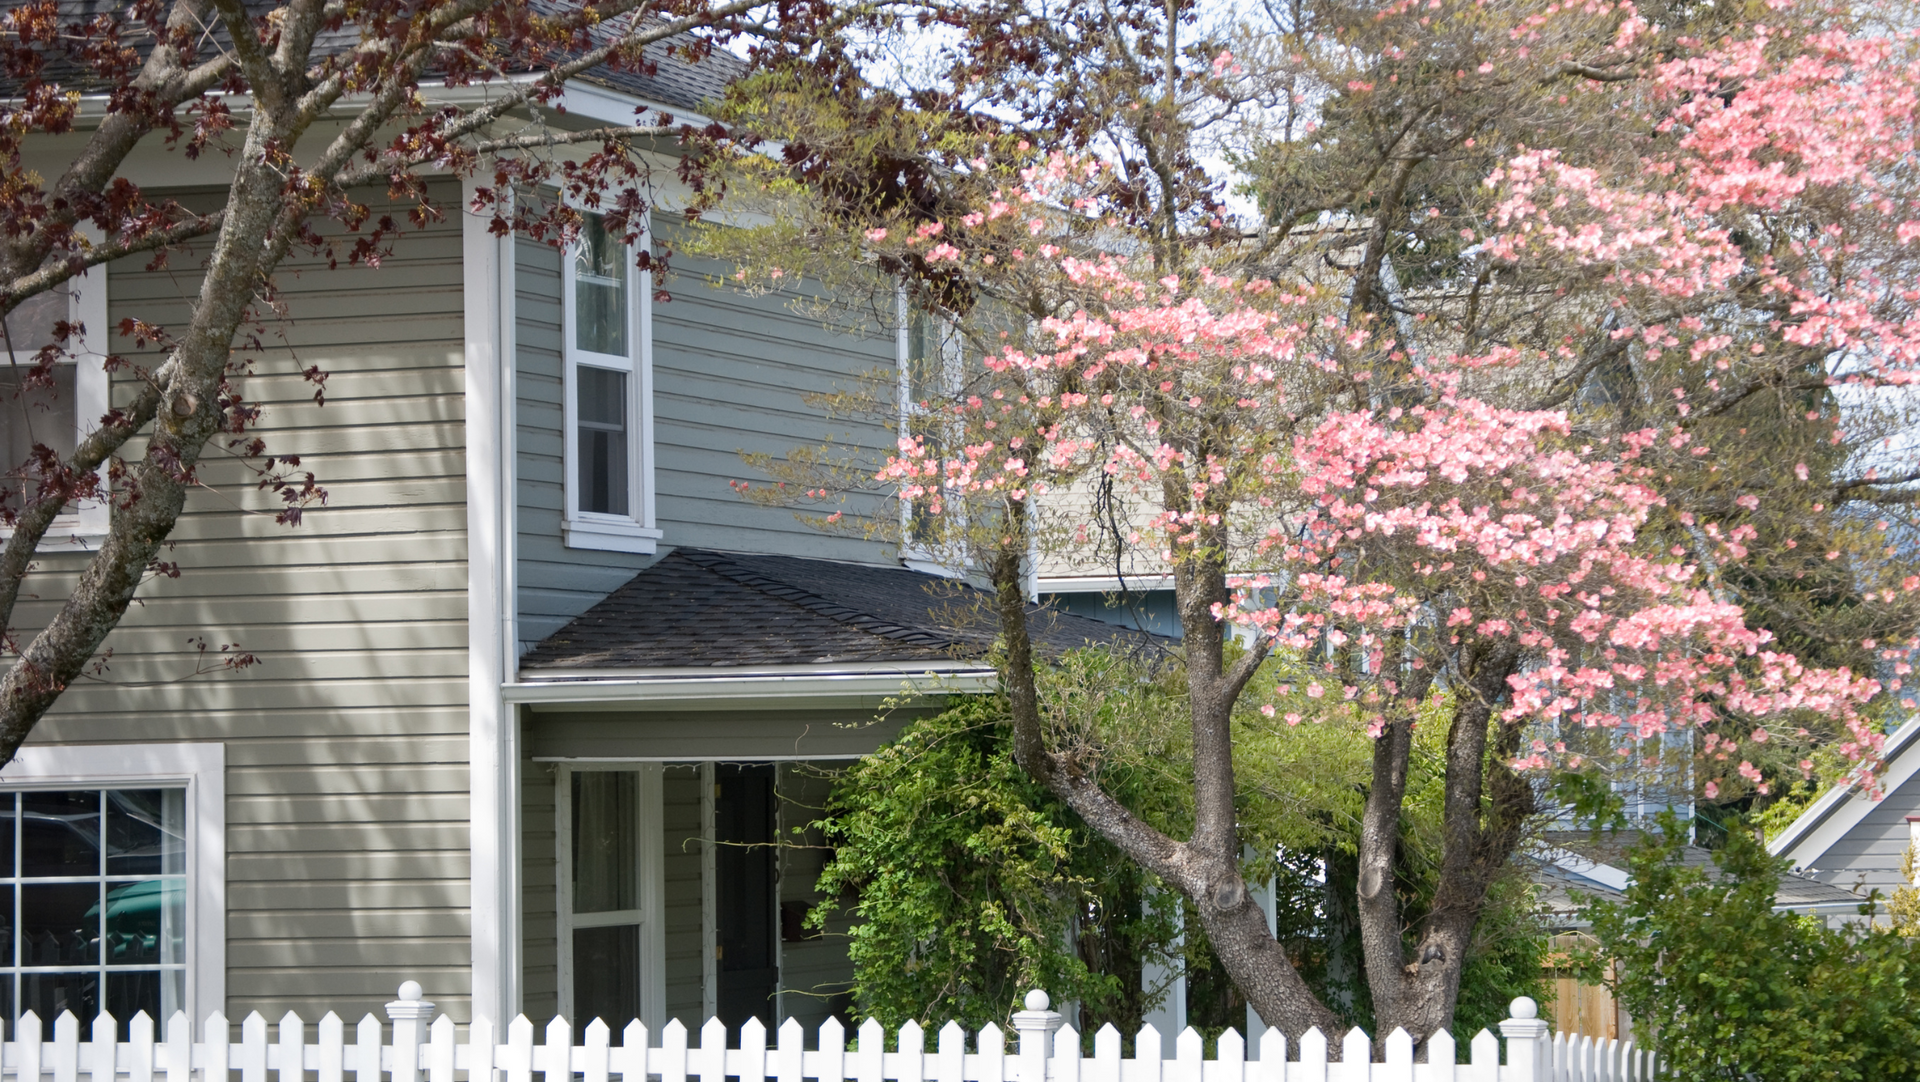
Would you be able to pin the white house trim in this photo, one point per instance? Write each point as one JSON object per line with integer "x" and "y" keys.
{"x": 202, "y": 768}
{"x": 493, "y": 759}
{"x": 735, "y": 692}
{"x": 1821, "y": 826}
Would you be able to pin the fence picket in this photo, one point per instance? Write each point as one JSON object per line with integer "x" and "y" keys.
{"x": 1627, "y": 1062}
{"x": 950, "y": 1056}
{"x": 1356, "y": 1057}
{"x": 554, "y": 1058}
{"x": 910, "y": 1062}
{"x": 630, "y": 1059}
{"x": 1441, "y": 1064}
{"x": 1313, "y": 1056}
{"x": 671, "y": 1063}
{"x": 711, "y": 1061}
{"x": 1399, "y": 1062}
{"x": 217, "y": 1062}
{"x": 596, "y": 1058}
{"x": 1272, "y": 1064}
{"x": 140, "y": 1048}
{"x": 66, "y": 1048}
{"x": 1147, "y": 1063}
{"x": 1485, "y": 1050}
{"x": 1189, "y": 1050}
{"x": 1229, "y": 1058}
{"x": 1106, "y": 1056}
{"x": 288, "y": 1057}
{"x": 832, "y": 1055}
{"x": 790, "y": 1061}
{"x": 441, "y": 1054}
{"x": 517, "y": 1059}
{"x": 869, "y": 1059}
{"x": 99, "y": 1057}
{"x": 752, "y": 1058}
{"x": 992, "y": 1060}
{"x": 179, "y": 1062}
{"x": 1066, "y": 1055}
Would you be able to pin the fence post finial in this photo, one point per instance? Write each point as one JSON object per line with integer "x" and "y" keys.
{"x": 1036, "y": 1026}
{"x": 1526, "y": 1035}
{"x": 409, "y": 1014}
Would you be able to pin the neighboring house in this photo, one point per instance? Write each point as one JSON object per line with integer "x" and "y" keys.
{"x": 1855, "y": 839}
{"x": 523, "y": 679}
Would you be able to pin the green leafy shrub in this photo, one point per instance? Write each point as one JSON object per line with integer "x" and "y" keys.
{"x": 1728, "y": 990}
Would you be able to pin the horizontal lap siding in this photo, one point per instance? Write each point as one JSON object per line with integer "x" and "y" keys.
{"x": 347, "y": 781}
{"x": 730, "y": 373}
{"x": 1870, "y": 853}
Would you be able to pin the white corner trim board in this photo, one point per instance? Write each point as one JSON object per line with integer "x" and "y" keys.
{"x": 492, "y": 734}
{"x": 202, "y": 768}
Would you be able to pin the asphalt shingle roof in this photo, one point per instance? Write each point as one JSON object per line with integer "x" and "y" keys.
{"x": 700, "y": 608}
{"x": 675, "y": 80}
{"x": 1610, "y": 848}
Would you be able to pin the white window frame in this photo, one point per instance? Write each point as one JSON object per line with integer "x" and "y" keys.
{"x": 914, "y": 555}
{"x": 635, "y": 532}
{"x": 649, "y": 864}
{"x": 201, "y": 769}
{"x": 87, "y": 305}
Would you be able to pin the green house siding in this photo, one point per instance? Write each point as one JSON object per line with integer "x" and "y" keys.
{"x": 347, "y": 789}
{"x": 730, "y": 374}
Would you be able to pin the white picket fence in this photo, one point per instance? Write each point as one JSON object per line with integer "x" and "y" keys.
{"x": 1048, "y": 1051}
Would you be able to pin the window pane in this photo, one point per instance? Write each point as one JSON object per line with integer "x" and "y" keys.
{"x": 47, "y": 994}
{"x": 601, "y": 430}
{"x": 157, "y": 992}
{"x": 605, "y": 870}
{"x": 34, "y": 414}
{"x": 146, "y": 831}
{"x": 606, "y": 975}
{"x": 600, "y": 290}
{"x": 6, "y": 927}
{"x": 926, "y": 366}
{"x": 60, "y": 833}
{"x": 8, "y": 802}
{"x": 144, "y": 922}
{"x": 60, "y": 924}
{"x": 30, "y": 326}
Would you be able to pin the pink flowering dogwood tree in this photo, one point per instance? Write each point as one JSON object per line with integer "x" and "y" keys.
{"x": 1400, "y": 520}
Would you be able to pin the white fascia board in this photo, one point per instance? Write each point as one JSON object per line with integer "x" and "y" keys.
{"x": 733, "y": 690}
{"x": 605, "y": 106}
{"x": 1821, "y": 826}
{"x": 1105, "y": 584}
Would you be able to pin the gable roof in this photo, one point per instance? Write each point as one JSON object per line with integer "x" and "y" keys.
{"x": 701, "y": 609}
{"x": 1829, "y": 819}
{"x": 1582, "y": 863}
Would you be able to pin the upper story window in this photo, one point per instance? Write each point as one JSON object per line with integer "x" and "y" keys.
{"x": 609, "y": 395}
{"x": 932, "y": 370}
{"x": 55, "y": 410}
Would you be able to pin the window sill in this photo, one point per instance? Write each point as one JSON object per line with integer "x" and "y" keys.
{"x": 610, "y": 536}
{"x": 67, "y": 535}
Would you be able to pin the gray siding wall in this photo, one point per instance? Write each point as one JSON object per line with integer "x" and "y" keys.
{"x": 539, "y": 891}
{"x": 683, "y": 859}
{"x": 347, "y": 806}
{"x": 730, "y": 373}
{"x": 1870, "y": 853}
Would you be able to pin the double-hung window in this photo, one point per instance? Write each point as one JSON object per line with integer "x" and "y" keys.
{"x": 610, "y": 934}
{"x": 52, "y": 409}
{"x": 609, "y": 394}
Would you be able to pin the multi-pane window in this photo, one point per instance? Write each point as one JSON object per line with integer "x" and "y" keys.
{"x": 607, "y": 388}
{"x": 606, "y": 917}
{"x": 930, "y": 376}
{"x": 93, "y": 903}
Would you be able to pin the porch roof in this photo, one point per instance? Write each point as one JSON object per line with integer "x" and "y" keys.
{"x": 702, "y": 609}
